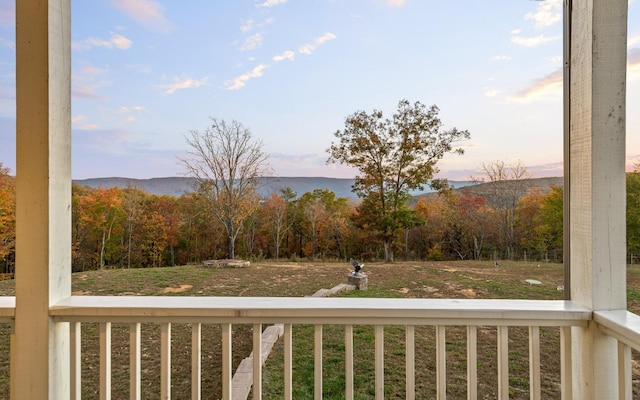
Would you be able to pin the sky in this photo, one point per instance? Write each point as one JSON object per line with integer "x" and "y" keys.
{"x": 145, "y": 73}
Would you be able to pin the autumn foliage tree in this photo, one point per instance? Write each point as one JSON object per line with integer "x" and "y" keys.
{"x": 101, "y": 214}
{"x": 394, "y": 156}
{"x": 504, "y": 186}
{"x": 276, "y": 210}
{"x": 120, "y": 228}
{"x": 7, "y": 218}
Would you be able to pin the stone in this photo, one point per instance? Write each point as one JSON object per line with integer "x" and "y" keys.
{"x": 360, "y": 281}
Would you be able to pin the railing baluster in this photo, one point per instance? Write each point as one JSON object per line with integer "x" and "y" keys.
{"x": 257, "y": 361}
{"x": 379, "y": 339}
{"x": 624, "y": 372}
{"x": 226, "y": 361}
{"x": 472, "y": 362}
{"x": 105, "y": 360}
{"x": 165, "y": 361}
{"x": 410, "y": 362}
{"x": 134, "y": 362}
{"x": 76, "y": 360}
{"x": 288, "y": 361}
{"x": 566, "y": 378}
{"x": 534, "y": 363}
{"x": 441, "y": 363}
{"x": 348, "y": 362}
{"x": 196, "y": 361}
{"x": 317, "y": 362}
{"x": 503, "y": 362}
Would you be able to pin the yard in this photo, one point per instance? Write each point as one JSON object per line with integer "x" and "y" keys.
{"x": 462, "y": 279}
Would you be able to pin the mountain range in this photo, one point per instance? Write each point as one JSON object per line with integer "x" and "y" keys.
{"x": 177, "y": 186}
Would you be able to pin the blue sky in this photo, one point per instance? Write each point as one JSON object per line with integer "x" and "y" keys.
{"x": 146, "y": 72}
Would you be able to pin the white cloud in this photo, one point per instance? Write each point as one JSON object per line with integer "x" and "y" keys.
{"x": 182, "y": 83}
{"x": 533, "y": 41}
{"x": 252, "y": 42}
{"x": 557, "y": 60}
{"x": 147, "y": 13}
{"x": 115, "y": 41}
{"x": 7, "y": 43}
{"x": 633, "y": 64}
{"x": 500, "y": 58}
{"x": 77, "y": 122}
{"x": 247, "y": 26}
{"x": 92, "y": 70}
{"x": 396, "y": 3}
{"x": 287, "y": 55}
{"x": 141, "y": 68}
{"x": 77, "y": 118}
{"x": 310, "y": 47}
{"x": 251, "y": 24}
{"x": 271, "y": 3}
{"x": 633, "y": 40}
{"x": 549, "y": 86}
{"x": 239, "y": 81}
{"x": 88, "y": 127}
{"x": 125, "y": 109}
{"x": 492, "y": 93}
{"x": 548, "y": 13}
{"x": 86, "y": 91}
{"x": 121, "y": 42}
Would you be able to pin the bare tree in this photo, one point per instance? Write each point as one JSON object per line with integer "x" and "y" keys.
{"x": 226, "y": 162}
{"x": 506, "y": 185}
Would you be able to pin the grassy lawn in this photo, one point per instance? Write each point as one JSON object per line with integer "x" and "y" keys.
{"x": 402, "y": 279}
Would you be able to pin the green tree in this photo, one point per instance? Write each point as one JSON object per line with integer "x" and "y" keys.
{"x": 551, "y": 217}
{"x": 633, "y": 212}
{"x": 394, "y": 156}
{"x": 226, "y": 161}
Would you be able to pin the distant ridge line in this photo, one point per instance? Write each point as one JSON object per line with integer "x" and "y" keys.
{"x": 177, "y": 186}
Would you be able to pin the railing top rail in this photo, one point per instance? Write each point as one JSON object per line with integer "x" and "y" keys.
{"x": 621, "y": 324}
{"x": 320, "y": 310}
{"x": 7, "y": 308}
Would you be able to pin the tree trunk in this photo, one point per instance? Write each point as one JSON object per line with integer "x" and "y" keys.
{"x": 129, "y": 247}
{"x": 388, "y": 252}
{"x": 231, "y": 247}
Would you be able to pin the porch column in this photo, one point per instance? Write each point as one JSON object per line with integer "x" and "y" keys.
{"x": 597, "y": 185}
{"x": 40, "y": 350}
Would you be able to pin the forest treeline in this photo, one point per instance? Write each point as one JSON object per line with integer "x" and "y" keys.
{"x": 129, "y": 228}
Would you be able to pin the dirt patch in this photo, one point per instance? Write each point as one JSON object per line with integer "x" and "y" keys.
{"x": 470, "y": 293}
{"x": 179, "y": 289}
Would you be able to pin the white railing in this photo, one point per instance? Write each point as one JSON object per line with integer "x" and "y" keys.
{"x": 624, "y": 326}
{"x": 225, "y": 312}
{"x": 349, "y": 312}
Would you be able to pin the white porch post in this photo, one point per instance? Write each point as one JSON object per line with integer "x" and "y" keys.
{"x": 597, "y": 189}
{"x": 40, "y": 355}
